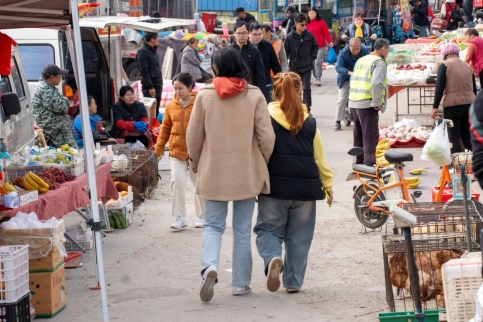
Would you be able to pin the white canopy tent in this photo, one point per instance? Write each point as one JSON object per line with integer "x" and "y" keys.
{"x": 61, "y": 13}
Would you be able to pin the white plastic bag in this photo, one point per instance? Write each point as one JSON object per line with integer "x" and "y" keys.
{"x": 437, "y": 148}
{"x": 407, "y": 122}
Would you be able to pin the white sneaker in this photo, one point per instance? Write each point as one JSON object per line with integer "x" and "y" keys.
{"x": 199, "y": 223}
{"x": 273, "y": 276}
{"x": 240, "y": 290}
{"x": 207, "y": 284}
{"x": 179, "y": 223}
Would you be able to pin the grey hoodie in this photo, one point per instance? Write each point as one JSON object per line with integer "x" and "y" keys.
{"x": 282, "y": 55}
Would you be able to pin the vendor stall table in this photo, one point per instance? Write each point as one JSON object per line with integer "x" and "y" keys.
{"x": 70, "y": 196}
{"x": 417, "y": 106}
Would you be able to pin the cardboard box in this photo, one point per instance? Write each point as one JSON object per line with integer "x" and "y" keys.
{"x": 40, "y": 240}
{"x": 48, "y": 292}
{"x": 47, "y": 263}
{"x": 20, "y": 198}
{"x": 125, "y": 213}
{"x": 121, "y": 202}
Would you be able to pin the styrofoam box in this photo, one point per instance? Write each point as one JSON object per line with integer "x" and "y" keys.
{"x": 461, "y": 281}
{"x": 121, "y": 202}
{"x": 165, "y": 164}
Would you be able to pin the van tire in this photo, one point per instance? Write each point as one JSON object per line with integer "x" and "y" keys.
{"x": 132, "y": 72}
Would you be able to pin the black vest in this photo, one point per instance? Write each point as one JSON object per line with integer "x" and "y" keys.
{"x": 293, "y": 172}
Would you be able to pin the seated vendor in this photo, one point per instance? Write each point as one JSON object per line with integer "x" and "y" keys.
{"x": 130, "y": 118}
{"x": 98, "y": 132}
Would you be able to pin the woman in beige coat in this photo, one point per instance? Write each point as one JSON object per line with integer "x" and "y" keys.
{"x": 230, "y": 140}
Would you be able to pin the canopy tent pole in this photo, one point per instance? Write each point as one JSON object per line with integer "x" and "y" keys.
{"x": 89, "y": 143}
{"x": 379, "y": 14}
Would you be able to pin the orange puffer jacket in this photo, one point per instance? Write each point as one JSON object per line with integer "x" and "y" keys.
{"x": 173, "y": 129}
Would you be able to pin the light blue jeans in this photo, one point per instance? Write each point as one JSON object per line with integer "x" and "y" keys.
{"x": 318, "y": 63}
{"x": 286, "y": 221}
{"x": 215, "y": 224}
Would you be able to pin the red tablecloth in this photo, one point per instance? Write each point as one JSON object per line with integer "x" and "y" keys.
{"x": 70, "y": 196}
{"x": 419, "y": 41}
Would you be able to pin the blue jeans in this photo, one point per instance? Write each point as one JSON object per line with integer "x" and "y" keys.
{"x": 286, "y": 221}
{"x": 215, "y": 224}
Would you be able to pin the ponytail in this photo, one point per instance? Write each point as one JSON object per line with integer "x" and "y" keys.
{"x": 287, "y": 89}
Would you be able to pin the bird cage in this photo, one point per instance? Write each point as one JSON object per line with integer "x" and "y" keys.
{"x": 440, "y": 235}
{"x": 122, "y": 163}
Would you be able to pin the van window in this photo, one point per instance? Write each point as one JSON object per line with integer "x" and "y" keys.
{"x": 17, "y": 80}
{"x": 90, "y": 54}
{"x": 34, "y": 58}
{"x": 4, "y": 88}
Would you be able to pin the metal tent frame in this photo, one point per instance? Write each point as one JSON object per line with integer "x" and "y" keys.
{"x": 62, "y": 13}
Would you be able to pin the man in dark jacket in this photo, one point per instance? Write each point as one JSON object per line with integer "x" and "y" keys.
{"x": 148, "y": 64}
{"x": 250, "y": 55}
{"x": 345, "y": 67}
{"x": 301, "y": 48}
{"x": 243, "y": 16}
{"x": 289, "y": 21}
{"x": 269, "y": 57}
{"x": 420, "y": 11}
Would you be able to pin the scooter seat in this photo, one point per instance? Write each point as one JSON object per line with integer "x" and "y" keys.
{"x": 395, "y": 156}
{"x": 364, "y": 169}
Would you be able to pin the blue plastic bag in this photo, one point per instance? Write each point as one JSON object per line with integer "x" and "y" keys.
{"x": 331, "y": 56}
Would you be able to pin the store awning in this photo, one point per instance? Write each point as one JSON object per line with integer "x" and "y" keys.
{"x": 34, "y": 13}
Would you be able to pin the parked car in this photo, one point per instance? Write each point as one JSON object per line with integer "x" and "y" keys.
{"x": 16, "y": 130}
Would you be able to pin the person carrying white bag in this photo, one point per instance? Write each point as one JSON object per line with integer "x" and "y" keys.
{"x": 437, "y": 149}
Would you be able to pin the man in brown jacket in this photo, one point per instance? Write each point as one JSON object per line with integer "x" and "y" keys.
{"x": 456, "y": 90}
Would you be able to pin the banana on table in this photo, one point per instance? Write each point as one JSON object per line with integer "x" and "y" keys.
{"x": 31, "y": 182}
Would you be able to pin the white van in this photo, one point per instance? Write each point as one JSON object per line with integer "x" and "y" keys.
{"x": 39, "y": 47}
{"x": 102, "y": 59}
{"x": 17, "y": 130}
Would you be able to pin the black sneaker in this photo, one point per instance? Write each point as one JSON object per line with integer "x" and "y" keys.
{"x": 337, "y": 126}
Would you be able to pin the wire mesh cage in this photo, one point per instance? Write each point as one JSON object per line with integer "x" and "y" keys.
{"x": 122, "y": 162}
{"x": 440, "y": 235}
{"x": 464, "y": 158}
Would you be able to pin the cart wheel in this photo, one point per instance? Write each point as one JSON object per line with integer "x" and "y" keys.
{"x": 347, "y": 122}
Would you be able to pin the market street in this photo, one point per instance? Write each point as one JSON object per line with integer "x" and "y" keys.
{"x": 152, "y": 273}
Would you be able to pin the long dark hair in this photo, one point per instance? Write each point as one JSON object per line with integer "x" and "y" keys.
{"x": 227, "y": 62}
{"x": 185, "y": 79}
{"x": 124, "y": 89}
{"x": 190, "y": 42}
{"x": 317, "y": 16}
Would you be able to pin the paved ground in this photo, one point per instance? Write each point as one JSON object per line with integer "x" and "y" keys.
{"x": 153, "y": 272}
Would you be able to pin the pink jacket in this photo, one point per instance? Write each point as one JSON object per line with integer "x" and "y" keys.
{"x": 320, "y": 31}
{"x": 477, "y": 57}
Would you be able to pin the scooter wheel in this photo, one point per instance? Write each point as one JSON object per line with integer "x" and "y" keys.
{"x": 369, "y": 219}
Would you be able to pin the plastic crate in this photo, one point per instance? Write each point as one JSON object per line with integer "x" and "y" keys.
{"x": 448, "y": 194}
{"x": 461, "y": 281}
{"x": 76, "y": 169}
{"x": 14, "y": 273}
{"x": 18, "y": 311}
{"x": 73, "y": 259}
{"x": 12, "y": 172}
{"x": 429, "y": 316}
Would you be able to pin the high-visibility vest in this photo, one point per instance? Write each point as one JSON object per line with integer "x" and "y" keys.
{"x": 277, "y": 46}
{"x": 360, "y": 84}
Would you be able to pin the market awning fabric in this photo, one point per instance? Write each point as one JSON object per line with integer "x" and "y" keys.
{"x": 34, "y": 13}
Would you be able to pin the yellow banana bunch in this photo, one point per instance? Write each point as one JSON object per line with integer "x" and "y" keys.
{"x": 413, "y": 182}
{"x": 42, "y": 184}
{"x": 418, "y": 171}
{"x": 381, "y": 147}
{"x": 32, "y": 182}
{"x": 8, "y": 185}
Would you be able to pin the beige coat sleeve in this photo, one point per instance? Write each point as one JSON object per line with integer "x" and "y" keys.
{"x": 195, "y": 135}
{"x": 263, "y": 129}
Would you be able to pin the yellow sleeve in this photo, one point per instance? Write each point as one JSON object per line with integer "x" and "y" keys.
{"x": 325, "y": 173}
